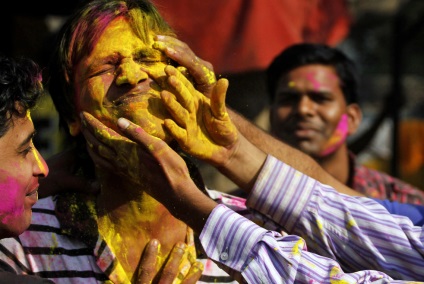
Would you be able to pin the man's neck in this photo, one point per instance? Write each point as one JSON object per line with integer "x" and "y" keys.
{"x": 128, "y": 218}
{"x": 337, "y": 164}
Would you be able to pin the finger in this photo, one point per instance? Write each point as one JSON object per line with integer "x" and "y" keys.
{"x": 200, "y": 70}
{"x": 178, "y": 112}
{"x": 147, "y": 267}
{"x": 102, "y": 133}
{"x": 191, "y": 246}
{"x": 181, "y": 78}
{"x": 219, "y": 93}
{"x": 182, "y": 93}
{"x": 184, "y": 72}
{"x": 153, "y": 146}
{"x": 172, "y": 266}
{"x": 175, "y": 49}
{"x": 134, "y": 132}
{"x": 179, "y": 134}
{"x": 97, "y": 147}
{"x": 194, "y": 273}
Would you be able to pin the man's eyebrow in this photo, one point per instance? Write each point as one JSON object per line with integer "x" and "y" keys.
{"x": 28, "y": 139}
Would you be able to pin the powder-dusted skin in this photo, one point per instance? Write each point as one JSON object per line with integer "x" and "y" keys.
{"x": 339, "y": 136}
{"x": 20, "y": 167}
{"x": 309, "y": 111}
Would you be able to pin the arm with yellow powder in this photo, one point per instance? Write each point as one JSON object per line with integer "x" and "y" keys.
{"x": 274, "y": 193}
{"x": 263, "y": 257}
{"x": 204, "y": 80}
{"x": 333, "y": 224}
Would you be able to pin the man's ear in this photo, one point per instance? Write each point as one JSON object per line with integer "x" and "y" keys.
{"x": 354, "y": 114}
{"x": 74, "y": 127}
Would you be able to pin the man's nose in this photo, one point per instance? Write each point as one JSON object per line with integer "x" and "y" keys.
{"x": 130, "y": 72}
{"x": 40, "y": 166}
{"x": 306, "y": 105}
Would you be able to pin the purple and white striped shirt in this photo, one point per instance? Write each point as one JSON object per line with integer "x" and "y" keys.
{"x": 352, "y": 239}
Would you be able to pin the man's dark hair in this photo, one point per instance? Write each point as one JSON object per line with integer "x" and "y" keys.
{"x": 20, "y": 88}
{"x": 309, "y": 53}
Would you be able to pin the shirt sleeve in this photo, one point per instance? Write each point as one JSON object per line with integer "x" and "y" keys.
{"x": 412, "y": 211}
{"x": 262, "y": 256}
{"x": 356, "y": 231}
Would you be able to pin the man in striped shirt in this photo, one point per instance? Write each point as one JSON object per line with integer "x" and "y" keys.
{"x": 353, "y": 239}
{"x": 336, "y": 225}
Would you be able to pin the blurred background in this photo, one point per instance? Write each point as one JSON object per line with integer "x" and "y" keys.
{"x": 241, "y": 37}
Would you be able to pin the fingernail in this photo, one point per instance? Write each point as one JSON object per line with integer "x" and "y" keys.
{"x": 198, "y": 266}
{"x": 170, "y": 50}
{"x": 181, "y": 246}
{"x": 123, "y": 123}
{"x": 160, "y": 36}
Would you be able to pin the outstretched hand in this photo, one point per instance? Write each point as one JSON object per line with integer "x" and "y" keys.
{"x": 201, "y": 126}
{"x": 237, "y": 158}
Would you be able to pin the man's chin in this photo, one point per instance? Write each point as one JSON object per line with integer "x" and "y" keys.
{"x": 308, "y": 148}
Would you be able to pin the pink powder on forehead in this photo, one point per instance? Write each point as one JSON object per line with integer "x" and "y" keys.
{"x": 9, "y": 191}
{"x": 315, "y": 83}
{"x": 338, "y": 138}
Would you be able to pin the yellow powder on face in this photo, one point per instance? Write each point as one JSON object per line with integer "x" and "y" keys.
{"x": 291, "y": 84}
{"x": 36, "y": 154}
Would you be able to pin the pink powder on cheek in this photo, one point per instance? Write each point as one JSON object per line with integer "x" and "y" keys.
{"x": 9, "y": 192}
{"x": 338, "y": 138}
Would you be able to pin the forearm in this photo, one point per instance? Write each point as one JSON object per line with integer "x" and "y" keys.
{"x": 336, "y": 225}
{"x": 262, "y": 256}
{"x": 244, "y": 165}
{"x": 289, "y": 155}
{"x": 189, "y": 204}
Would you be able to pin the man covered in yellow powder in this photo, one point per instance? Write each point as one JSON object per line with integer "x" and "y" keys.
{"x": 107, "y": 63}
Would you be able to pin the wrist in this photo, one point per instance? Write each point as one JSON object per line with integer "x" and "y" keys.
{"x": 244, "y": 164}
{"x": 190, "y": 205}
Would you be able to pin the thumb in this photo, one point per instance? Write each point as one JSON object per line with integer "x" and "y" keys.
{"x": 136, "y": 133}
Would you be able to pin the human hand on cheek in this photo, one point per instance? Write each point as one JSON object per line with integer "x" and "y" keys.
{"x": 197, "y": 70}
{"x": 202, "y": 127}
{"x": 113, "y": 152}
